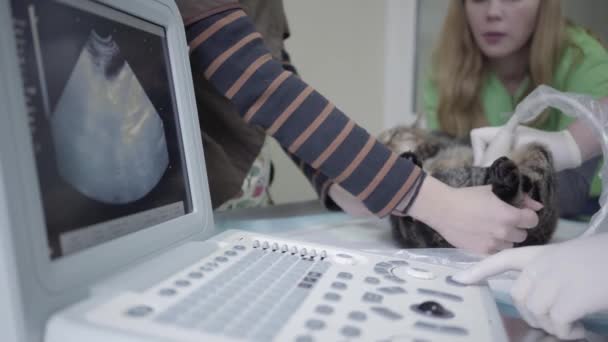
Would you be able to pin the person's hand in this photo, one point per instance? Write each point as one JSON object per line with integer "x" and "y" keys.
{"x": 493, "y": 144}
{"x": 347, "y": 202}
{"x": 558, "y": 285}
{"x": 565, "y": 151}
{"x": 473, "y": 218}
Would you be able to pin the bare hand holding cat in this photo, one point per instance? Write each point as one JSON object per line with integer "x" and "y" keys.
{"x": 473, "y": 218}
{"x": 558, "y": 285}
{"x": 470, "y": 218}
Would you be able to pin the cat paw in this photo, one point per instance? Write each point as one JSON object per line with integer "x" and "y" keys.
{"x": 504, "y": 178}
{"x": 412, "y": 157}
{"x": 526, "y": 184}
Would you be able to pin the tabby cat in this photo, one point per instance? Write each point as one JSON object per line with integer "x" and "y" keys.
{"x": 528, "y": 170}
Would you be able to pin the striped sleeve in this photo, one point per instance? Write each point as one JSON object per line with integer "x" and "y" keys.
{"x": 318, "y": 180}
{"x": 234, "y": 59}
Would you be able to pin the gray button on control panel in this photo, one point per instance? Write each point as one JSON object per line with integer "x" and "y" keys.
{"x": 372, "y": 280}
{"x": 345, "y": 256}
{"x": 334, "y": 297}
{"x": 324, "y": 309}
{"x": 305, "y": 338}
{"x": 394, "y": 279}
{"x": 453, "y": 282}
{"x": 139, "y": 311}
{"x": 426, "y": 326}
{"x": 383, "y": 265}
{"x": 195, "y": 275}
{"x": 358, "y": 316}
{"x": 392, "y": 290}
{"x": 230, "y": 253}
{"x": 338, "y": 285}
{"x": 182, "y": 283}
{"x": 440, "y": 294}
{"x": 345, "y": 275}
{"x": 372, "y": 297}
{"x": 221, "y": 259}
{"x": 167, "y": 292}
{"x": 381, "y": 270}
{"x": 350, "y": 331}
{"x": 387, "y": 313}
{"x": 452, "y": 330}
{"x": 399, "y": 262}
{"x": 315, "y": 324}
{"x": 239, "y": 247}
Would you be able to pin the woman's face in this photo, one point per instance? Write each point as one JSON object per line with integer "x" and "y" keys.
{"x": 501, "y": 27}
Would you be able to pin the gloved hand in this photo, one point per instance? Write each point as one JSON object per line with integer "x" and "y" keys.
{"x": 558, "y": 285}
{"x": 473, "y": 218}
{"x": 565, "y": 151}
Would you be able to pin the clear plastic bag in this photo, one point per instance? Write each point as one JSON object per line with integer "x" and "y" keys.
{"x": 593, "y": 113}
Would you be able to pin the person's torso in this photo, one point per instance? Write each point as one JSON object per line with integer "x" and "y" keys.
{"x": 498, "y": 103}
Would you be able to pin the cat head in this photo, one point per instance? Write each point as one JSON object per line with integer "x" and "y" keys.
{"x": 402, "y": 139}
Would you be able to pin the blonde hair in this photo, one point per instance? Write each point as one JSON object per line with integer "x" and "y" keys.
{"x": 460, "y": 67}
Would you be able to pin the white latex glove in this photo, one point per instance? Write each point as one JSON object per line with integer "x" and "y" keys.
{"x": 500, "y": 144}
{"x": 473, "y": 218}
{"x": 565, "y": 151}
{"x": 347, "y": 202}
{"x": 558, "y": 285}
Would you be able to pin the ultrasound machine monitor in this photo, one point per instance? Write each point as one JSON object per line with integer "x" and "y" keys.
{"x": 106, "y": 226}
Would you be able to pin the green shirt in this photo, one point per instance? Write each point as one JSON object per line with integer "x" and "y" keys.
{"x": 582, "y": 69}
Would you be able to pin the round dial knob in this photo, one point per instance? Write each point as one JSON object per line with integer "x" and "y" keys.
{"x": 432, "y": 308}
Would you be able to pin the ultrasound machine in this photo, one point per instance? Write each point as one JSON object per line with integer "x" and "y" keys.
{"x": 106, "y": 226}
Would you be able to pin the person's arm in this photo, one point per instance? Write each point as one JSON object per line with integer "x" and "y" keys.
{"x": 237, "y": 63}
{"x": 573, "y": 189}
{"x": 226, "y": 45}
{"x": 570, "y": 147}
{"x": 320, "y": 183}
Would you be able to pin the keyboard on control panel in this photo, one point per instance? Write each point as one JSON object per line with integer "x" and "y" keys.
{"x": 264, "y": 290}
{"x": 251, "y": 298}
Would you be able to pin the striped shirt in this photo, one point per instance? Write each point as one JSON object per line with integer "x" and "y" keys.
{"x": 328, "y": 145}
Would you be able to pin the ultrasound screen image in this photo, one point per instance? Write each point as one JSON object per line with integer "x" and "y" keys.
{"x": 120, "y": 152}
{"x": 103, "y": 119}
